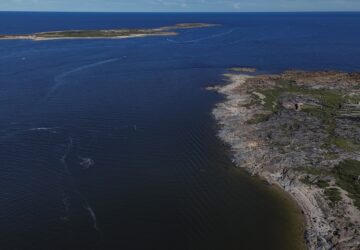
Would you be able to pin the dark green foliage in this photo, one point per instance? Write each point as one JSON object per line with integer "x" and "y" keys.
{"x": 314, "y": 181}
{"x": 322, "y": 183}
{"x": 253, "y": 101}
{"x": 333, "y": 194}
{"x": 111, "y": 33}
{"x": 347, "y": 174}
{"x": 258, "y": 119}
{"x": 312, "y": 170}
{"x": 90, "y": 33}
{"x": 345, "y": 144}
{"x": 306, "y": 180}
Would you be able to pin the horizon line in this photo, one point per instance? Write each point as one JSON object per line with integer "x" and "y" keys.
{"x": 183, "y": 12}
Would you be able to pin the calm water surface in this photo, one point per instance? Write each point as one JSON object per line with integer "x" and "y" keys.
{"x": 110, "y": 144}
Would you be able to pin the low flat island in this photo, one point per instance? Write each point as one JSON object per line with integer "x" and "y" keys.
{"x": 107, "y": 33}
{"x": 301, "y": 131}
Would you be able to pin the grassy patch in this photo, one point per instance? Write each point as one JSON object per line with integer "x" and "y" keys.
{"x": 306, "y": 180}
{"x": 331, "y": 156}
{"x": 243, "y": 69}
{"x": 312, "y": 171}
{"x": 327, "y": 115}
{"x": 347, "y": 174}
{"x": 82, "y": 33}
{"x": 333, "y": 195}
{"x": 330, "y": 101}
{"x": 327, "y": 112}
{"x": 317, "y": 111}
{"x": 258, "y": 119}
{"x": 272, "y": 94}
{"x": 271, "y": 98}
{"x": 254, "y": 101}
{"x": 322, "y": 184}
{"x": 345, "y": 144}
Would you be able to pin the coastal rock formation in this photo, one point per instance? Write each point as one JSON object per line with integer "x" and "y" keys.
{"x": 301, "y": 131}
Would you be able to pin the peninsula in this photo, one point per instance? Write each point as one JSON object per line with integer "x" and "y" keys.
{"x": 301, "y": 131}
{"x": 107, "y": 33}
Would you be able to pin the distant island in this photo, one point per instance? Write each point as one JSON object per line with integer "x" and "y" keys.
{"x": 107, "y": 33}
{"x": 301, "y": 131}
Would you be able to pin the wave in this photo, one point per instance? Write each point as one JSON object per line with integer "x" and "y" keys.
{"x": 51, "y": 129}
{"x": 83, "y": 200}
{"x": 5, "y": 134}
{"x": 203, "y": 38}
{"x": 92, "y": 215}
{"x": 86, "y": 162}
{"x": 66, "y": 203}
{"x": 67, "y": 152}
{"x": 59, "y": 79}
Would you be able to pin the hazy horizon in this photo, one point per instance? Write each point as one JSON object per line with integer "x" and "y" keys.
{"x": 181, "y": 5}
{"x": 183, "y": 12}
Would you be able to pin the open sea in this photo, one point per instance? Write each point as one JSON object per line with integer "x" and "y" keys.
{"x": 111, "y": 144}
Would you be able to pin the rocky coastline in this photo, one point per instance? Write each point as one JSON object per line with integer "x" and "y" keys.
{"x": 300, "y": 131}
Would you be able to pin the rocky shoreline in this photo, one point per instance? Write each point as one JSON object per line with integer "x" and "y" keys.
{"x": 301, "y": 131}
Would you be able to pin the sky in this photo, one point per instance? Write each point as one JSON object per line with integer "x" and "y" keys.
{"x": 179, "y": 5}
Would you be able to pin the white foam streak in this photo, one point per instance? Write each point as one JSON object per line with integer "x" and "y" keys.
{"x": 203, "y": 38}
{"x": 92, "y": 215}
{"x": 86, "y": 163}
{"x": 43, "y": 129}
{"x": 67, "y": 151}
{"x": 59, "y": 79}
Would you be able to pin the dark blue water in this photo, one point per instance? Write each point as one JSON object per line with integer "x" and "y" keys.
{"x": 110, "y": 144}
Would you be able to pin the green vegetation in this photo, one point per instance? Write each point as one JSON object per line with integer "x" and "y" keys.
{"x": 271, "y": 98}
{"x": 347, "y": 174}
{"x": 313, "y": 171}
{"x": 330, "y": 102}
{"x": 333, "y": 194}
{"x": 329, "y": 99}
{"x": 88, "y": 33}
{"x": 322, "y": 183}
{"x": 253, "y": 101}
{"x": 107, "y": 33}
{"x": 258, "y": 119}
{"x": 243, "y": 69}
{"x": 94, "y": 33}
{"x": 327, "y": 113}
{"x": 331, "y": 156}
{"x": 327, "y": 106}
{"x": 315, "y": 181}
{"x": 282, "y": 86}
{"x": 306, "y": 180}
{"x": 318, "y": 111}
{"x": 345, "y": 144}
{"x": 327, "y": 110}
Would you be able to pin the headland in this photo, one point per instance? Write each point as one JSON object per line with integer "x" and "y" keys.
{"x": 300, "y": 130}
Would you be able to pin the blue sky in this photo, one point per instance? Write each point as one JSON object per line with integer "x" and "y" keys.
{"x": 180, "y": 5}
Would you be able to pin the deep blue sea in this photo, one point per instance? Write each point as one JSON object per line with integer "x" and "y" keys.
{"x": 110, "y": 144}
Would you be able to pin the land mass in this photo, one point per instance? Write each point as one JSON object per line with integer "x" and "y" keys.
{"x": 106, "y": 34}
{"x": 301, "y": 131}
